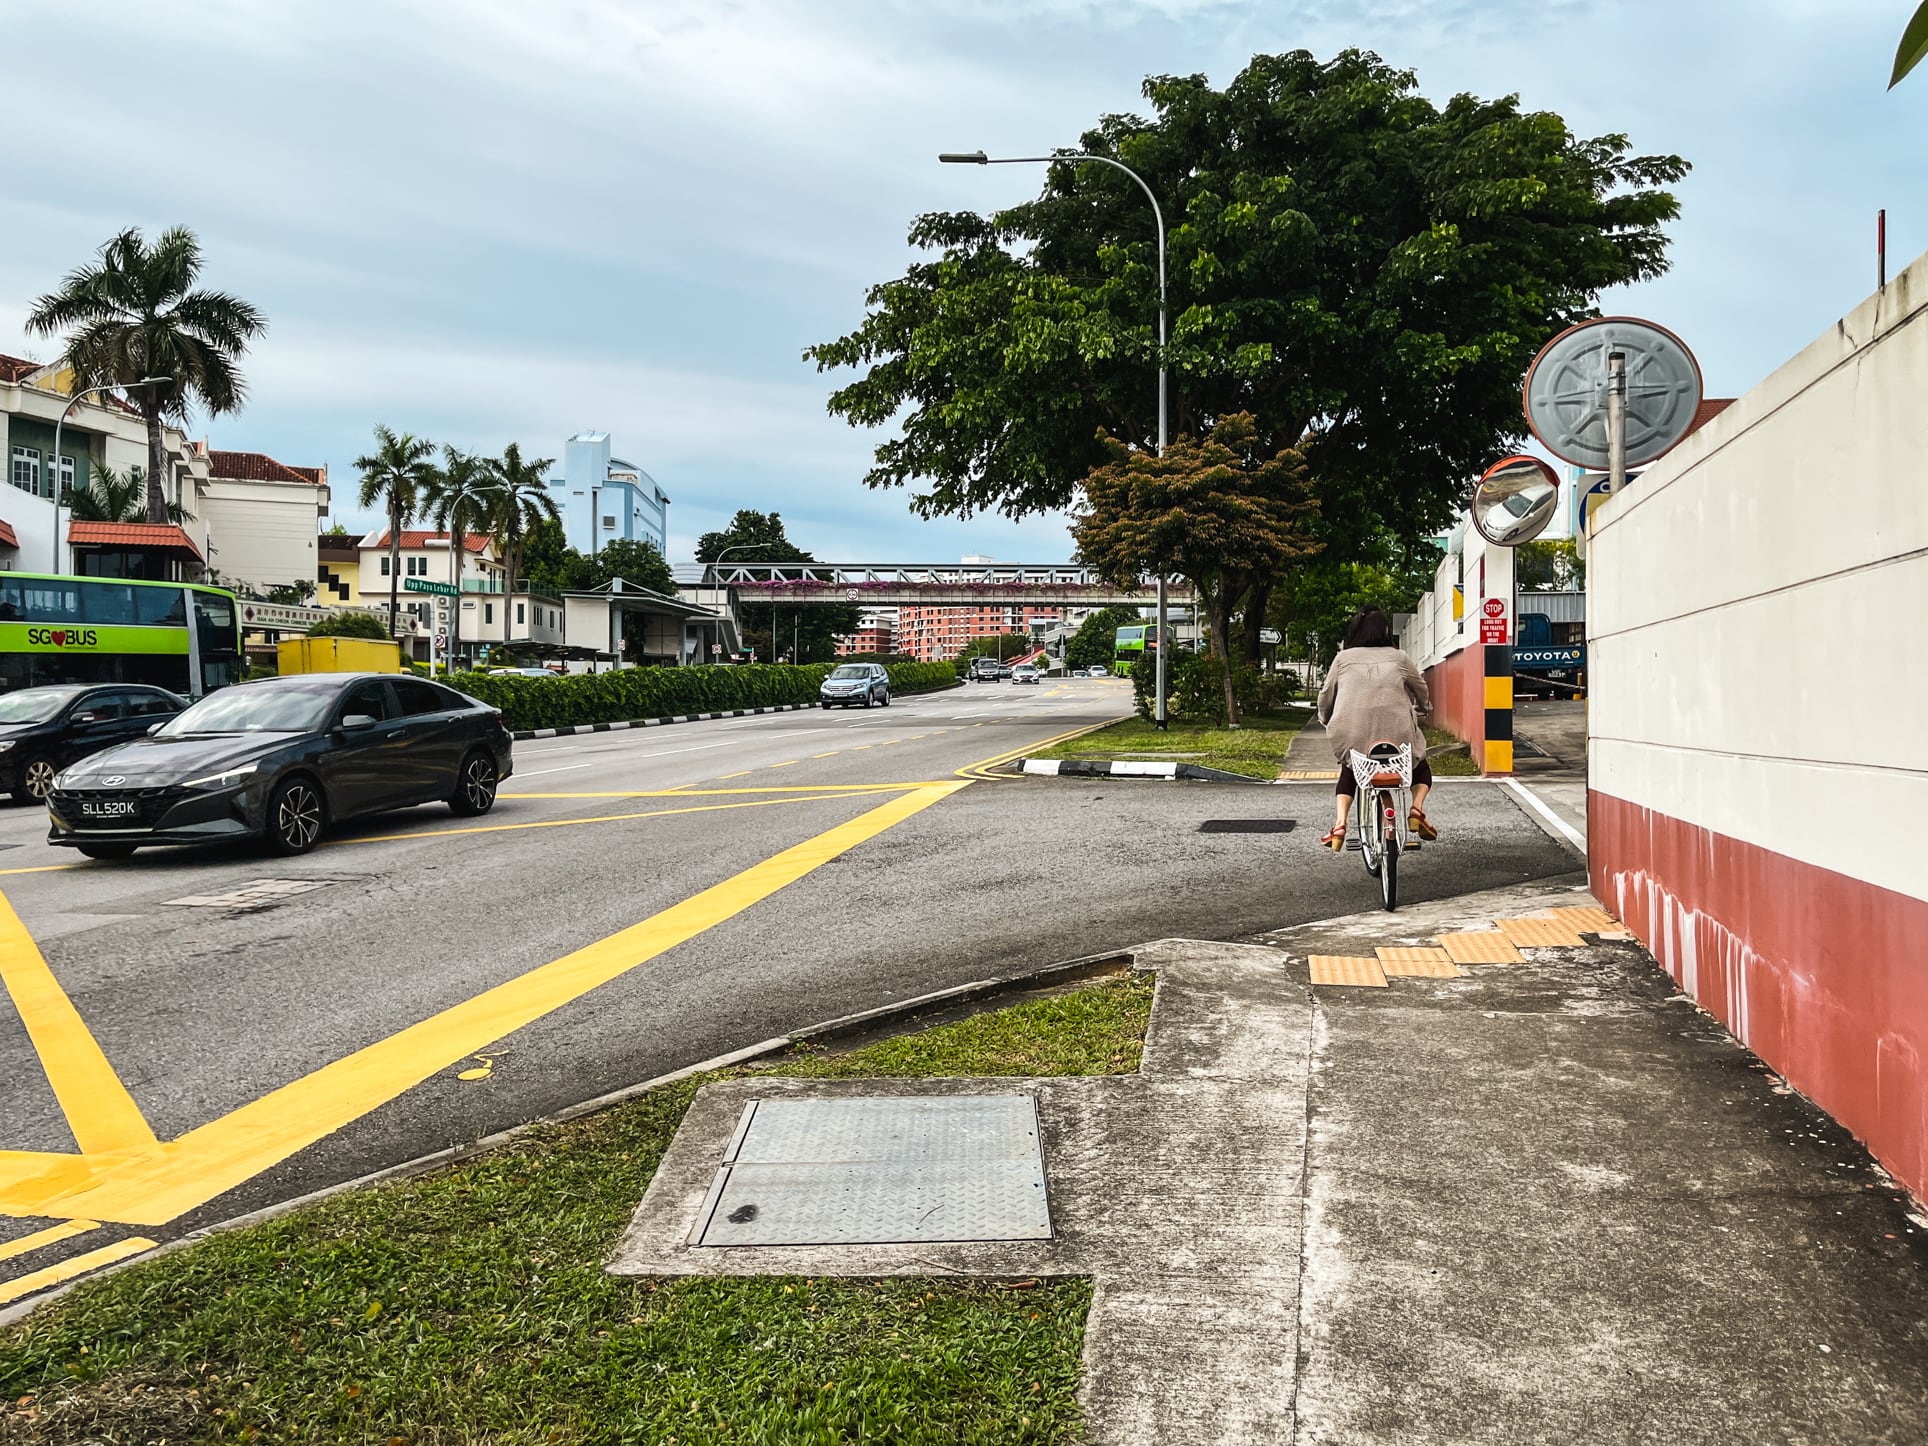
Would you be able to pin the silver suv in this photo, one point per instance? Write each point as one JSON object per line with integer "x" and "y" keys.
{"x": 854, "y": 683}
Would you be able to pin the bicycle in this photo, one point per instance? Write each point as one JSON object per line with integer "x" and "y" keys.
{"x": 1385, "y": 777}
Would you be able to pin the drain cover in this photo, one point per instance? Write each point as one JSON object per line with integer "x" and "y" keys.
{"x": 255, "y": 894}
{"x": 1247, "y": 825}
{"x": 880, "y": 1171}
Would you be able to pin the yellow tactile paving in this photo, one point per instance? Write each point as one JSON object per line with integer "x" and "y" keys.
{"x": 1310, "y": 773}
{"x": 1590, "y": 921}
{"x": 1540, "y": 933}
{"x": 1339, "y": 969}
{"x": 1417, "y": 963}
{"x": 1480, "y": 947}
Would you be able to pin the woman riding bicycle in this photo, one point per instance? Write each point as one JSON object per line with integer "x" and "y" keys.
{"x": 1373, "y": 694}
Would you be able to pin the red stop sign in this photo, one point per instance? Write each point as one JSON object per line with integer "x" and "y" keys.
{"x": 1495, "y": 608}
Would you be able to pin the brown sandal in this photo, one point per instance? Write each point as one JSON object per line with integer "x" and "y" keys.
{"x": 1417, "y": 821}
{"x": 1335, "y": 838}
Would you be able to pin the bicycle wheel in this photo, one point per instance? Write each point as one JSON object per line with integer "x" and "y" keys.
{"x": 1389, "y": 866}
{"x": 1367, "y": 812}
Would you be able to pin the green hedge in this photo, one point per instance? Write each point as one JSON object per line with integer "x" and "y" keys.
{"x": 1195, "y": 688}
{"x": 625, "y": 694}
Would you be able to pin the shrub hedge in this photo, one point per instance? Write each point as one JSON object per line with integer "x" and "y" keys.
{"x": 1195, "y": 688}
{"x": 625, "y": 694}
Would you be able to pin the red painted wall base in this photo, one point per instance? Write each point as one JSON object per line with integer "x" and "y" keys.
{"x": 1458, "y": 688}
{"x": 1823, "y": 976}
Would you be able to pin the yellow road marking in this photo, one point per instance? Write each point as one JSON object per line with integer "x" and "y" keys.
{"x": 980, "y": 768}
{"x": 100, "y": 1112}
{"x": 859, "y": 747}
{"x": 831, "y": 754}
{"x": 160, "y": 1183}
{"x": 723, "y": 778}
{"x": 800, "y": 796}
{"x": 852, "y": 788}
{"x": 40, "y": 869}
{"x": 787, "y": 763}
{"x": 52, "y": 1235}
{"x": 67, "y": 1269}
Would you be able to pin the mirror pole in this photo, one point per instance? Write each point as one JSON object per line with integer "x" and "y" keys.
{"x": 1616, "y": 421}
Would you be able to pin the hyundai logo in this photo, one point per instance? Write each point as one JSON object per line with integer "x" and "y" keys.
{"x": 114, "y": 778}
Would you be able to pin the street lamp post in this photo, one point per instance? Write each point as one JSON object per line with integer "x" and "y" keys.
{"x": 746, "y": 547}
{"x": 53, "y": 481}
{"x": 978, "y": 158}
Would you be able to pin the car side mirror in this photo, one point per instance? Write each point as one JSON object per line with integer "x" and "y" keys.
{"x": 152, "y": 729}
{"x": 87, "y": 715}
{"x": 357, "y": 723}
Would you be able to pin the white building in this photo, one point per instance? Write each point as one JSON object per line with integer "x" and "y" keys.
{"x": 603, "y": 497}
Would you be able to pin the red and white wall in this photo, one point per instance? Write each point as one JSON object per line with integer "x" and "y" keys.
{"x": 1758, "y": 758}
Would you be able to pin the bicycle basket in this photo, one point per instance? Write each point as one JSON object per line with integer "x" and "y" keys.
{"x": 1389, "y": 770}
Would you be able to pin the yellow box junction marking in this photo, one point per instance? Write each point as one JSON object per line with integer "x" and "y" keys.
{"x": 144, "y": 1182}
{"x": 1339, "y": 969}
{"x": 100, "y": 1112}
{"x": 1480, "y": 946}
{"x": 1417, "y": 963}
{"x": 65, "y": 1270}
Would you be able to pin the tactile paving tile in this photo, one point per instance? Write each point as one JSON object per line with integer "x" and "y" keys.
{"x": 1590, "y": 921}
{"x": 1322, "y": 773}
{"x": 1540, "y": 933}
{"x": 1480, "y": 947}
{"x": 1417, "y": 963}
{"x": 1340, "y": 969}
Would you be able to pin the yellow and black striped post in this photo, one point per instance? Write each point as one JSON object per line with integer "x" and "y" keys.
{"x": 1499, "y": 709}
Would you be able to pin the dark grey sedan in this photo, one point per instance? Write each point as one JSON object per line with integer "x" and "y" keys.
{"x": 281, "y": 759}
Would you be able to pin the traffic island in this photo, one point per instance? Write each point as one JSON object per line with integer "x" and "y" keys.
{"x": 468, "y": 1303}
{"x": 1253, "y": 752}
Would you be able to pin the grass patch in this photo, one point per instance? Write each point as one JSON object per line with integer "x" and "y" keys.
{"x": 1256, "y": 749}
{"x": 1448, "y": 765}
{"x": 471, "y": 1304}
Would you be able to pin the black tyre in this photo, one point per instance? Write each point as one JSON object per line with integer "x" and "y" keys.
{"x": 475, "y": 785}
{"x": 106, "y": 851}
{"x": 1389, "y": 872}
{"x": 296, "y": 813}
{"x": 1368, "y": 833}
{"x": 870, "y": 700}
{"x": 826, "y": 707}
{"x": 886, "y": 697}
{"x": 37, "y": 778}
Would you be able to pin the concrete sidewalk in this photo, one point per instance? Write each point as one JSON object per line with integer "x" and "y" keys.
{"x": 1543, "y": 1201}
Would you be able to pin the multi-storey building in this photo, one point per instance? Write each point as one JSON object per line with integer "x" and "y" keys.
{"x": 929, "y": 634}
{"x": 876, "y": 633}
{"x": 603, "y": 497}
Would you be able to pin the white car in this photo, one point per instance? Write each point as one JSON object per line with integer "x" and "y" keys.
{"x": 1097, "y": 672}
{"x": 1024, "y": 673}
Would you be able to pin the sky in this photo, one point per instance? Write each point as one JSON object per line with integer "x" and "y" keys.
{"x": 488, "y": 221}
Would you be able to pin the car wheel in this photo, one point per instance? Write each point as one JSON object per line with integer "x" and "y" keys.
{"x": 296, "y": 812}
{"x": 475, "y": 785}
{"x": 826, "y": 707}
{"x": 869, "y": 701}
{"x": 106, "y": 851}
{"x": 37, "y": 778}
{"x": 886, "y": 697}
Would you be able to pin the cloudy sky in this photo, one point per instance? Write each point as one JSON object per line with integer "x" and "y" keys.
{"x": 496, "y": 220}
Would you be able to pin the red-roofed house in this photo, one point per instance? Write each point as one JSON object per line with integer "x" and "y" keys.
{"x": 262, "y": 518}
{"x": 425, "y": 558}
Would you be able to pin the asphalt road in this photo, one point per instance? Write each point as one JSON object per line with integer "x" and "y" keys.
{"x": 767, "y": 873}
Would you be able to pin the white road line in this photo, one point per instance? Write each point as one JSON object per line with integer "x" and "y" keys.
{"x": 566, "y": 768}
{"x": 1566, "y": 830}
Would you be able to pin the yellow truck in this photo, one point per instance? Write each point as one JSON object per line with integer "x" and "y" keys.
{"x": 338, "y": 655}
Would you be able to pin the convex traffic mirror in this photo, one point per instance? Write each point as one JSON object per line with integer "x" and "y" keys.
{"x": 1514, "y": 500}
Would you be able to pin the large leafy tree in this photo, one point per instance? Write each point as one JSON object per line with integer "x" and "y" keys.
{"x": 395, "y": 477}
{"x": 754, "y": 536}
{"x": 135, "y": 314}
{"x": 518, "y": 499}
{"x": 1214, "y": 510}
{"x": 1317, "y": 597}
{"x": 554, "y": 566}
{"x": 1365, "y": 272}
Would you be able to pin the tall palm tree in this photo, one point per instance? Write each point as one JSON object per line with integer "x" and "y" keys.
{"x": 133, "y": 314}
{"x": 518, "y": 500}
{"x": 111, "y": 496}
{"x": 395, "y": 476}
{"x": 457, "y": 499}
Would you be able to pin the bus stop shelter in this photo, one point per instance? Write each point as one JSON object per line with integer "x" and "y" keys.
{"x": 640, "y": 627}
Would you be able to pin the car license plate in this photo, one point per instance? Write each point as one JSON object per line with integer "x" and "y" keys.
{"x": 108, "y": 808}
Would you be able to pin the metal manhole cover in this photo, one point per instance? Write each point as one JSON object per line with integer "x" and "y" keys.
{"x": 255, "y": 894}
{"x": 1248, "y": 825}
{"x": 938, "y": 1168}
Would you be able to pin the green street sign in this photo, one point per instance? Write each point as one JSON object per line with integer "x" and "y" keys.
{"x": 419, "y": 584}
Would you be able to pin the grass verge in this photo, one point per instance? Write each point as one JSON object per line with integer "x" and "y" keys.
{"x": 471, "y": 1304}
{"x": 1256, "y": 749}
{"x": 1448, "y": 765}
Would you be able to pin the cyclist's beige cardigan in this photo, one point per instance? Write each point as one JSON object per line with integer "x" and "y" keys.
{"x": 1370, "y": 696}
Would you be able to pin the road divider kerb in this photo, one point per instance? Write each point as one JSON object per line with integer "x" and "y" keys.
{"x": 524, "y": 735}
{"x": 1125, "y": 768}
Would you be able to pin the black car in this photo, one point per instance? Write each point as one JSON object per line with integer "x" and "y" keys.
{"x": 281, "y": 759}
{"x": 42, "y": 730}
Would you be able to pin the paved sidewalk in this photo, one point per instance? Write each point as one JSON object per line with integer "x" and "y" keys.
{"x": 1543, "y": 1201}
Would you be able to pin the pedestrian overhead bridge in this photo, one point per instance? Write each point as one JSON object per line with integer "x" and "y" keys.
{"x": 871, "y": 584}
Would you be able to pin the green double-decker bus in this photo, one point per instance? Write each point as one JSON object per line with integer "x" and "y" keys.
{"x": 61, "y": 629}
{"x": 1130, "y": 646}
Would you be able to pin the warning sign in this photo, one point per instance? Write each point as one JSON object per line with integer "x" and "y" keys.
{"x": 1492, "y": 630}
